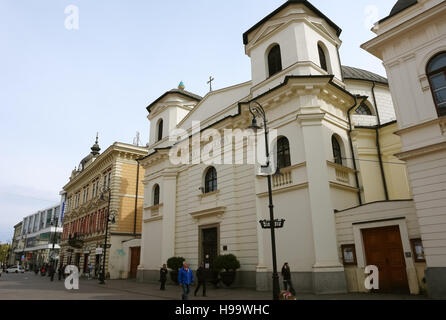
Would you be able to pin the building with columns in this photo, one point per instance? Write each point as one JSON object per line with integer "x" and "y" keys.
{"x": 343, "y": 193}
{"x": 102, "y": 183}
{"x": 411, "y": 42}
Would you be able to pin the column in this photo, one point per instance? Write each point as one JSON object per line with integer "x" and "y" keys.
{"x": 328, "y": 272}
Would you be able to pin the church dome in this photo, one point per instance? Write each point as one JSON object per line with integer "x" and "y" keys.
{"x": 401, "y": 5}
{"x": 93, "y": 154}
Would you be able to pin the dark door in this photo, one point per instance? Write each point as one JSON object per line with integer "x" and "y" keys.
{"x": 135, "y": 254}
{"x": 78, "y": 260}
{"x": 98, "y": 265}
{"x": 384, "y": 249}
{"x": 86, "y": 263}
{"x": 209, "y": 246}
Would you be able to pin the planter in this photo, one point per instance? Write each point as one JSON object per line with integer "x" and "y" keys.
{"x": 227, "y": 278}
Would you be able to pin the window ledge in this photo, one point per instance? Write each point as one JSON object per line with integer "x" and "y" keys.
{"x": 205, "y": 195}
{"x": 340, "y": 167}
{"x": 152, "y": 208}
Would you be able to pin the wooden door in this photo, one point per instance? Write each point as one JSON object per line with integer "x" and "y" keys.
{"x": 135, "y": 254}
{"x": 384, "y": 249}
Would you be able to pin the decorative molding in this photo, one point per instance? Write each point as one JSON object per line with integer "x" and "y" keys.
{"x": 419, "y": 126}
{"x": 157, "y": 207}
{"x": 216, "y": 211}
{"x": 285, "y": 189}
{"x": 153, "y": 219}
{"x": 442, "y": 123}
{"x": 205, "y": 195}
{"x": 343, "y": 187}
{"x": 339, "y": 167}
{"x": 422, "y": 151}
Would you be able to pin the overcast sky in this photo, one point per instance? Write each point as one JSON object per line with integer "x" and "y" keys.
{"x": 58, "y": 87}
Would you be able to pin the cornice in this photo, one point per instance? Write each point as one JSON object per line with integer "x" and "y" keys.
{"x": 217, "y": 211}
{"x": 421, "y": 151}
{"x": 440, "y": 121}
{"x": 104, "y": 160}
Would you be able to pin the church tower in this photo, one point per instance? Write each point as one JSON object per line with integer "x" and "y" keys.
{"x": 297, "y": 78}
{"x": 296, "y": 39}
{"x": 167, "y": 111}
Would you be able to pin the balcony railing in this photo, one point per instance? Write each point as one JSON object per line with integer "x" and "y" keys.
{"x": 283, "y": 179}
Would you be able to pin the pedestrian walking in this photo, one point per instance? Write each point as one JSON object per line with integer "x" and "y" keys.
{"x": 90, "y": 270}
{"x": 286, "y": 274}
{"x": 185, "y": 279}
{"x": 163, "y": 277}
{"x": 52, "y": 271}
{"x": 201, "y": 279}
{"x": 60, "y": 271}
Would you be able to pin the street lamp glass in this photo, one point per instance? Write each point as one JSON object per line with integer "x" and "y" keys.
{"x": 254, "y": 126}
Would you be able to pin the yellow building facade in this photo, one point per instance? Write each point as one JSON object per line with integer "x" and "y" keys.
{"x": 108, "y": 181}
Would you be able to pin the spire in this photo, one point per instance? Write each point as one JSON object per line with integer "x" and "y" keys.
{"x": 95, "y": 148}
{"x": 181, "y": 86}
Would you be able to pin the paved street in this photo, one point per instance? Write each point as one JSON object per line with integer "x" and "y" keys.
{"x": 28, "y": 286}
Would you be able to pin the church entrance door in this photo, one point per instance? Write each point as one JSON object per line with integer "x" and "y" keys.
{"x": 209, "y": 250}
{"x": 384, "y": 249}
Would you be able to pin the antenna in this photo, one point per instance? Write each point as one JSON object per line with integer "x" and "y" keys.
{"x": 136, "y": 140}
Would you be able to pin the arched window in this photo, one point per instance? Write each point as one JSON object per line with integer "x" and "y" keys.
{"x": 322, "y": 58}
{"x": 283, "y": 153}
{"x": 210, "y": 180}
{"x": 436, "y": 71}
{"x": 160, "y": 130}
{"x": 274, "y": 60}
{"x": 363, "y": 110}
{"x": 337, "y": 152}
{"x": 156, "y": 195}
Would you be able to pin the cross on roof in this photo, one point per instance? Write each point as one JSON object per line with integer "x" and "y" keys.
{"x": 210, "y": 82}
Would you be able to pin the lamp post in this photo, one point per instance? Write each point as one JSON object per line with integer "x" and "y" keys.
{"x": 110, "y": 217}
{"x": 53, "y": 266}
{"x": 23, "y": 251}
{"x": 257, "y": 111}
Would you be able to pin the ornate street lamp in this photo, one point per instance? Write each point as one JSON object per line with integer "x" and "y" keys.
{"x": 111, "y": 217}
{"x": 257, "y": 111}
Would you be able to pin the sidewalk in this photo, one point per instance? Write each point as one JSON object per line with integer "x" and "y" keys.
{"x": 173, "y": 292}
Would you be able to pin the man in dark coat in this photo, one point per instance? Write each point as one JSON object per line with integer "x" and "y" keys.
{"x": 201, "y": 278}
{"x": 286, "y": 274}
{"x": 163, "y": 277}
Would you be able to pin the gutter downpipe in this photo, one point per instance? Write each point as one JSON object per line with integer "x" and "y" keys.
{"x": 351, "y": 148}
{"x": 378, "y": 145}
{"x": 136, "y": 198}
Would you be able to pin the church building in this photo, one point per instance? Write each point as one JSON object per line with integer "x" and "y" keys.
{"x": 411, "y": 41}
{"x": 344, "y": 195}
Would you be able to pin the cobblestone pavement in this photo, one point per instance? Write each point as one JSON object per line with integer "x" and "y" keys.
{"x": 29, "y": 286}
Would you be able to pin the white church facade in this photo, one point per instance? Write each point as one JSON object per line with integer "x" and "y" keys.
{"x": 344, "y": 194}
{"x": 411, "y": 41}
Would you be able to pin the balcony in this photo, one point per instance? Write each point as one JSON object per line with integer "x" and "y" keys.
{"x": 340, "y": 174}
{"x": 283, "y": 179}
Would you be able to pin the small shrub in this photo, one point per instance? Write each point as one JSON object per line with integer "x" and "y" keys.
{"x": 175, "y": 263}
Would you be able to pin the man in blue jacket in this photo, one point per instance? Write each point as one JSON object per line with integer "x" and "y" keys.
{"x": 185, "y": 279}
